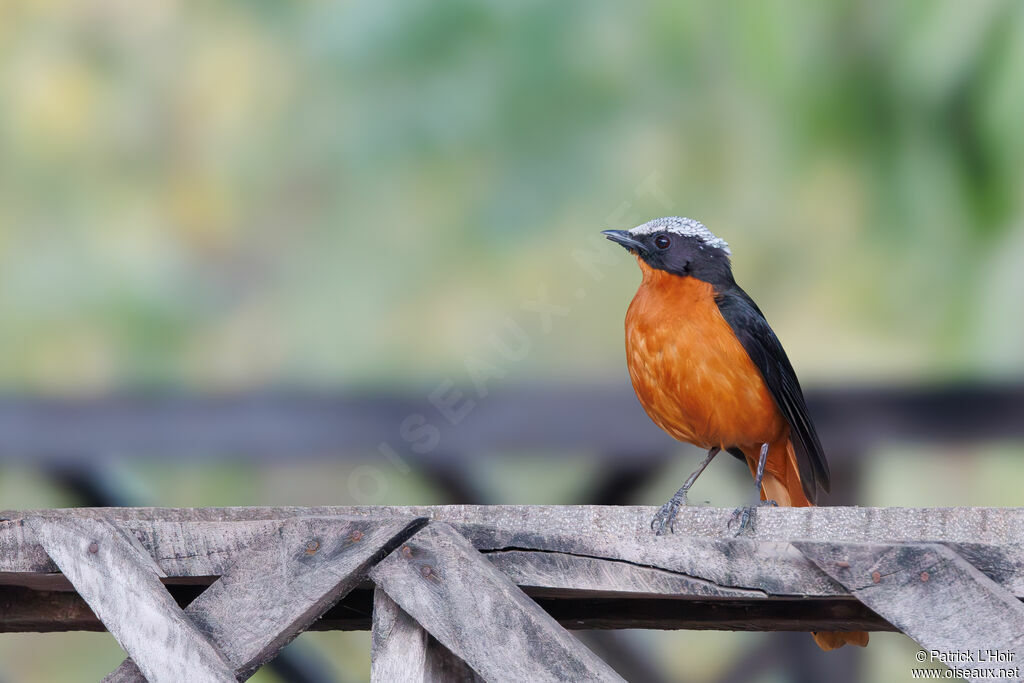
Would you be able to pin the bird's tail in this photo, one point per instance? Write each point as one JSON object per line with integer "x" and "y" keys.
{"x": 781, "y": 483}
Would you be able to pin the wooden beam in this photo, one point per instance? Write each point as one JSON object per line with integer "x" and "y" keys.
{"x": 24, "y": 610}
{"x": 403, "y": 652}
{"x": 30, "y": 611}
{"x": 702, "y": 556}
{"x": 934, "y": 596}
{"x": 588, "y": 566}
{"x": 122, "y": 585}
{"x": 475, "y": 611}
{"x": 988, "y": 526}
{"x": 280, "y": 585}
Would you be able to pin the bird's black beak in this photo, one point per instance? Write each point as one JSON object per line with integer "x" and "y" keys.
{"x": 626, "y": 240}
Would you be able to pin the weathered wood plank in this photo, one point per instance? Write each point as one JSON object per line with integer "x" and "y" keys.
{"x": 931, "y": 594}
{"x": 403, "y": 652}
{"x": 398, "y": 645}
{"x": 989, "y": 526}
{"x": 702, "y": 548}
{"x": 571, "y": 555}
{"x": 479, "y": 614}
{"x": 284, "y": 583}
{"x": 121, "y": 583}
{"x": 985, "y": 526}
{"x": 181, "y": 548}
{"x": 564, "y": 574}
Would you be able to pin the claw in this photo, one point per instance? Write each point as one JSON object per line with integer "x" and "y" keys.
{"x": 665, "y": 518}
{"x": 746, "y": 515}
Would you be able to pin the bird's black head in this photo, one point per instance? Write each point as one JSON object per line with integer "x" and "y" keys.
{"x": 680, "y": 246}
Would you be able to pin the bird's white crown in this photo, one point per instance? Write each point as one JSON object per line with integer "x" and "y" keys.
{"x": 685, "y": 227}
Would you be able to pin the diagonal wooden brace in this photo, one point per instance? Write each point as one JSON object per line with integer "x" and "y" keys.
{"x": 403, "y": 652}
{"x": 930, "y": 593}
{"x": 121, "y": 583}
{"x": 475, "y": 611}
{"x": 283, "y": 584}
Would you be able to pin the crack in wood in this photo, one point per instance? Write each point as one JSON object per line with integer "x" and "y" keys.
{"x": 738, "y": 591}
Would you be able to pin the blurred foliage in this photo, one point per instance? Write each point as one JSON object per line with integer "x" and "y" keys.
{"x": 247, "y": 192}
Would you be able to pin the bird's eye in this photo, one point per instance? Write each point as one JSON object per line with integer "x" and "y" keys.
{"x": 662, "y": 242}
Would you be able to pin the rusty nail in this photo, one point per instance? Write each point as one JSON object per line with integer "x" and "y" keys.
{"x": 357, "y": 535}
{"x": 312, "y": 547}
{"x": 843, "y": 564}
{"x": 94, "y": 547}
{"x": 876, "y": 577}
{"x": 924, "y": 576}
{"x": 425, "y": 570}
{"x": 406, "y": 551}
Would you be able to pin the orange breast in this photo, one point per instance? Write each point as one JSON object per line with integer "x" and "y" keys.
{"x": 691, "y": 374}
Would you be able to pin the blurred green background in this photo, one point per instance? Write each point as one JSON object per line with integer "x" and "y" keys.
{"x": 226, "y": 196}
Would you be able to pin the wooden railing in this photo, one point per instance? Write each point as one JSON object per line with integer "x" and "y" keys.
{"x": 488, "y": 592}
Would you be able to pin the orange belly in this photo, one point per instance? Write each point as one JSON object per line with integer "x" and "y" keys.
{"x": 691, "y": 374}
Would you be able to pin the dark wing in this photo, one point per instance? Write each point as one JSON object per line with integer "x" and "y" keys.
{"x": 763, "y": 347}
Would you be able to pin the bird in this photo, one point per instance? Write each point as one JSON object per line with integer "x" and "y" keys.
{"x": 709, "y": 370}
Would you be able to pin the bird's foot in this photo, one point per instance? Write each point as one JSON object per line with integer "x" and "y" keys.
{"x": 743, "y": 517}
{"x": 665, "y": 519}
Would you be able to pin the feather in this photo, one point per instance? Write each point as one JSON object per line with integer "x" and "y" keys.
{"x": 765, "y": 350}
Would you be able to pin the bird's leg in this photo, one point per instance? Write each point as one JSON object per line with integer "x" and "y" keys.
{"x": 744, "y": 514}
{"x": 666, "y": 517}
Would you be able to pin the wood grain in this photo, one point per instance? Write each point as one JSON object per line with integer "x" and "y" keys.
{"x": 122, "y": 585}
{"x": 931, "y": 594}
{"x": 475, "y": 611}
{"x": 587, "y": 566}
{"x": 702, "y": 549}
{"x": 402, "y": 651}
{"x": 283, "y": 583}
